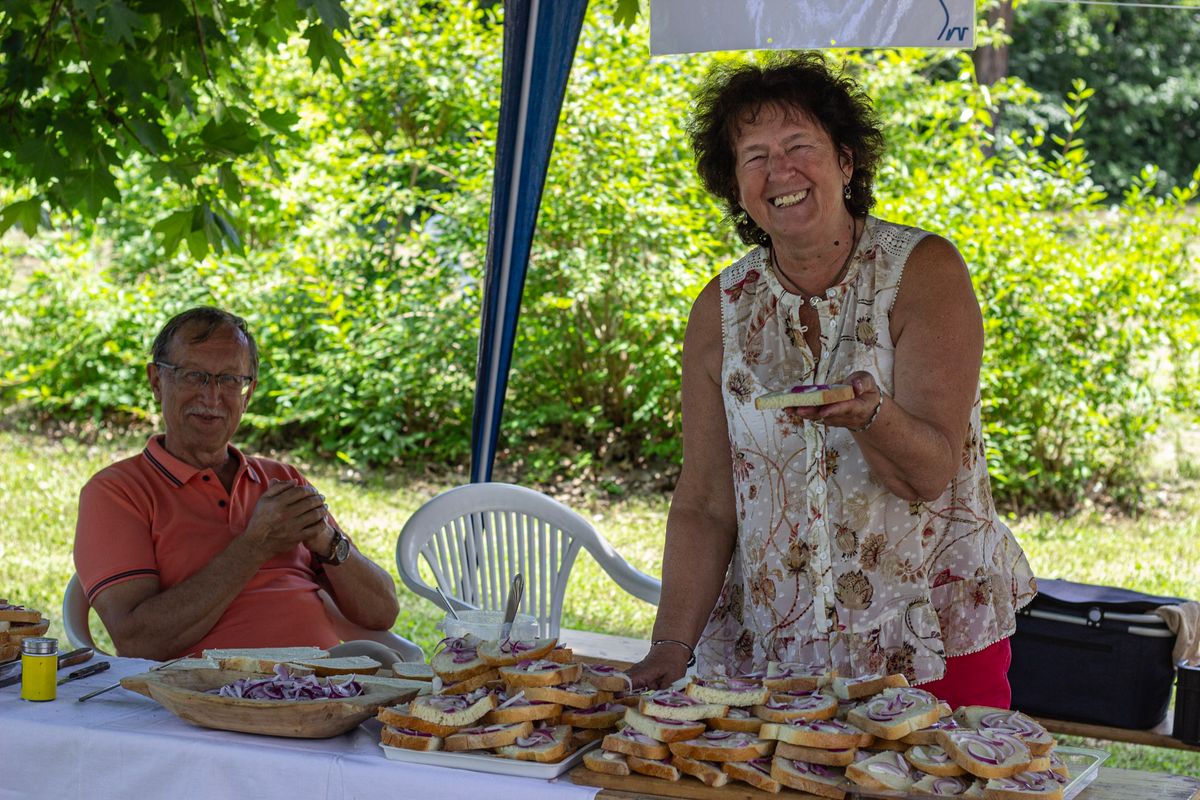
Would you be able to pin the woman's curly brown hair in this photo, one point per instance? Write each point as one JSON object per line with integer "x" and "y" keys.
{"x": 734, "y": 94}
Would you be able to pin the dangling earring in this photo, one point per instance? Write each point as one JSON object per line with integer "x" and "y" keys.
{"x": 846, "y": 191}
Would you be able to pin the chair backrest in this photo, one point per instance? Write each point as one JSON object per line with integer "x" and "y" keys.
{"x": 75, "y": 610}
{"x": 474, "y": 538}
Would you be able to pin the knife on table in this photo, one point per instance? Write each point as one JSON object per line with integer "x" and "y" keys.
{"x": 65, "y": 660}
{"x": 91, "y": 669}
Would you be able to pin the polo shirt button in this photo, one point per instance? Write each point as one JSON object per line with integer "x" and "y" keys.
{"x": 205, "y": 477}
{"x": 221, "y": 503}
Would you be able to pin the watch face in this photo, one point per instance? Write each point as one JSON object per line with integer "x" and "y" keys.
{"x": 341, "y": 549}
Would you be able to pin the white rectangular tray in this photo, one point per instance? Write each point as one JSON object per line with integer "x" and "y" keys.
{"x": 479, "y": 762}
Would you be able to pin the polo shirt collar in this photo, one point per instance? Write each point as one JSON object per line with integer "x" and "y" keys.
{"x": 178, "y": 473}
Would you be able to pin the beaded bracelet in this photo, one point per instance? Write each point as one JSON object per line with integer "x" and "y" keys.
{"x": 871, "y": 418}
{"x": 691, "y": 650}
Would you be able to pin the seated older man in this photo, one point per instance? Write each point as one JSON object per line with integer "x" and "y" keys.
{"x": 192, "y": 545}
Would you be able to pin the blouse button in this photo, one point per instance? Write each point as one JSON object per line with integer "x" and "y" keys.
{"x": 221, "y": 503}
{"x": 205, "y": 477}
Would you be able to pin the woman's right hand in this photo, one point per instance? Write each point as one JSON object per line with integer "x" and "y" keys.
{"x": 662, "y": 666}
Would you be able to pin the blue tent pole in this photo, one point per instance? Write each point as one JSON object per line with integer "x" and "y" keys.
{"x": 539, "y": 45}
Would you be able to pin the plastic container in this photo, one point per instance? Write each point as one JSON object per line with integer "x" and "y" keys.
{"x": 1187, "y": 703}
{"x": 486, "y": 625}
{"x": 39, "y": 669}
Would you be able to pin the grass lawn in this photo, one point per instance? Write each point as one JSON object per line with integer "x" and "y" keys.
{"x": 40, "y": 477}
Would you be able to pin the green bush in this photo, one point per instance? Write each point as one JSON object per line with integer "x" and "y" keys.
{"x": 366, "y": 241}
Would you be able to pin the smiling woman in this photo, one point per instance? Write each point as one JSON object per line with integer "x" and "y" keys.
{"x": 859, "y": 534}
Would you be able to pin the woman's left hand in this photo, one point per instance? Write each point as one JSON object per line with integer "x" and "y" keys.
{"x": 853, "y": 414}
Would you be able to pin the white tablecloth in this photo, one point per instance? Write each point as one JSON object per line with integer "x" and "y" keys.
{"x": 123, "y": 745}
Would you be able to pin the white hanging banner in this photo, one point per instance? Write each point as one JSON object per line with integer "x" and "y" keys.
{"x": 696, "y": 26}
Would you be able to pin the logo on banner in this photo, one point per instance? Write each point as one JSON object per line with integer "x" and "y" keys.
{"x": 951, "y": 33}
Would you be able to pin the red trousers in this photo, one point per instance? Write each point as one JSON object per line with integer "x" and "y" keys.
{"x": 977, "y": 679}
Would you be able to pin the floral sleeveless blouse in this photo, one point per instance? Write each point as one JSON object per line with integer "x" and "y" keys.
{"x": 829, "y": 566}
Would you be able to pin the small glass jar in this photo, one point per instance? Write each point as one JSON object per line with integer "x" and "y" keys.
{"x": 39, "y": 669}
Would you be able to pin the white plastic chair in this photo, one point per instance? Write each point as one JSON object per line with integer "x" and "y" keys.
{"x": 75, "y": 610}
{"x": 474, "y": 538}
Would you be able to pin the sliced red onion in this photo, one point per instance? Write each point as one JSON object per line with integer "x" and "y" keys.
{"x": 949, "y": 786}
{"x": 717, "y": 735}
{"x": 812, "y": 387}
{"x": 411, "y": 732}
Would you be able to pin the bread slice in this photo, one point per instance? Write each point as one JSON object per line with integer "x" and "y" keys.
{"x": 349, "y": 665}
{"x": 812, "y": 778}
{"x": 831, "y": 734}
{"x": 630, "y": 698}
{"x": 519, "y": 708}
{"x": 704, "y": 771}
{"x": 608, "y": 762}
{"x": 818, "y": 394}
{"x": 607, "y": 677}
{"x": 502, "y": 652}
{"x": 986, "y": 754}
{"x": 786, "y": 706}
{"x": 663, "y": 730}
{"x": 737, "y": 692}
{"x": 635, "y": 743}
{"x": 889, "y": 771}
{"x": 895, "y": 713}
{"x": 458, "y": 660}
{"x": 563, "y": 655}
{"x": 401, "y": 717}
{"x": 459, "y": 710}
{"x": 574, "y": 695}
{"x": 736, "y": 719}
{"x": 473, "y": 683}
{"x": 605, "y": 715}
{"x": 539, "y": 672}
{"x": 14, "y": 613}
{"x": 545, "y": 744}
{"x": 866, "y": 685}
{"x": 1026, "y": 786}
{"x": 786, "y": 676}
{"x": 399, "y": 684}
{"x": 409, "y": 739}
{"x": 582, "y": 736}
{"x": 723, "y": 746}
{"x": 928, "y": 735}
{"x": 264, "y": 659}
{"x": 948, "y": 786}
{"x": 817, "y": 755}
{"x": 654, "y": 768}
{"x": 412, "y": 670}
{"x": 757, "y": 773}
{"x": 932, "y": 759}
{"x": 485, "y": 737}
{"x": 670, "y": 704}
{"x": 1030, "y": 731}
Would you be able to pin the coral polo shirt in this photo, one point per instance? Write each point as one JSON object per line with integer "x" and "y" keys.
{"x": 152, "y": 515}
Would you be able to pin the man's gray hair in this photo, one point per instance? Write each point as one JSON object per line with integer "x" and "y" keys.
{"x": 211, "y": 319}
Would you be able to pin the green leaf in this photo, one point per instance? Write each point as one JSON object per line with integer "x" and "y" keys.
{"x": 150, "y": 135}
{"x": 281, "y": 121}
{"x": 26, "y": 212}
{"x": 323, "y": 47}
{"x": 120, "y": 23}
{"x": 627, "y": 12}
{"x": 172, "y": 228}
{"x": 229, "y": 137}
{"x": 95, "y": 186}
{"x": 330, "y": 12}
{"x": 230, "y": 184}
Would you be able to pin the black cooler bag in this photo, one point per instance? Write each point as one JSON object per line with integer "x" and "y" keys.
{"x": 1093, "y": 654}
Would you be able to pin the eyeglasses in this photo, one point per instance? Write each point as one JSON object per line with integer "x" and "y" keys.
{"x": 196, "y": 379}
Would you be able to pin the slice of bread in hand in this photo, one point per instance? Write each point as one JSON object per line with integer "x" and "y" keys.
{"x": 670, "y": 704}
{"x": 812, "y": 778}
{"x": 401, "y": 717}
{"x": 458, "y": 659}
{"x": 757, "y": 773}
{"x": 485, "y": 737}
{"x": 1030, "y": 731}
{"x": 817, "y": 755}
{"x": 723, "y": 746}
{"x": 655, "y": 769}
{"x": 502, "y": 652}
{"x": 608, "y": 762}
{"x": 544, "y": 744}
{"x": 605, "y": 715}
{"x": 932, "y": 759}
{"x": 809, "y": 395}
{"x": 794, "y": 677}
{"x": 888, "y": 770}
{"x": 894, "y": 713}
{"x": 866, "y": 685}
{"x": 453, "y": 709}
{"x": 786, "y": 706}
{"x": 635, "y": 743}
{"x": 539, "y": 672}
{"x": 704, "y": 771}
{"x": 607, "y": 677}
{"x": 986, "y": 754}
{"x": 737, "y": 692}
{"x": 409, "y": 739}
{"x": 663, "y": 730}
{"x": 264, "y": 659}
{"x": 575, "y": 695}
{"x": 736, "y": 719}
{"x": 1026, "y": 786}
{"x": 348, "y": 665}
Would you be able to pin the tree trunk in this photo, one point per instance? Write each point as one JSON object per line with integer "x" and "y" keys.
{"x": 991, "y": 63}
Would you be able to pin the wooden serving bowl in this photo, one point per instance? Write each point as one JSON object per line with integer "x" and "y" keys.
{"x": 184, "y": 693}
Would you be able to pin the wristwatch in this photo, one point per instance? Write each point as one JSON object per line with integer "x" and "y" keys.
{"x": 339, "y": 550}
